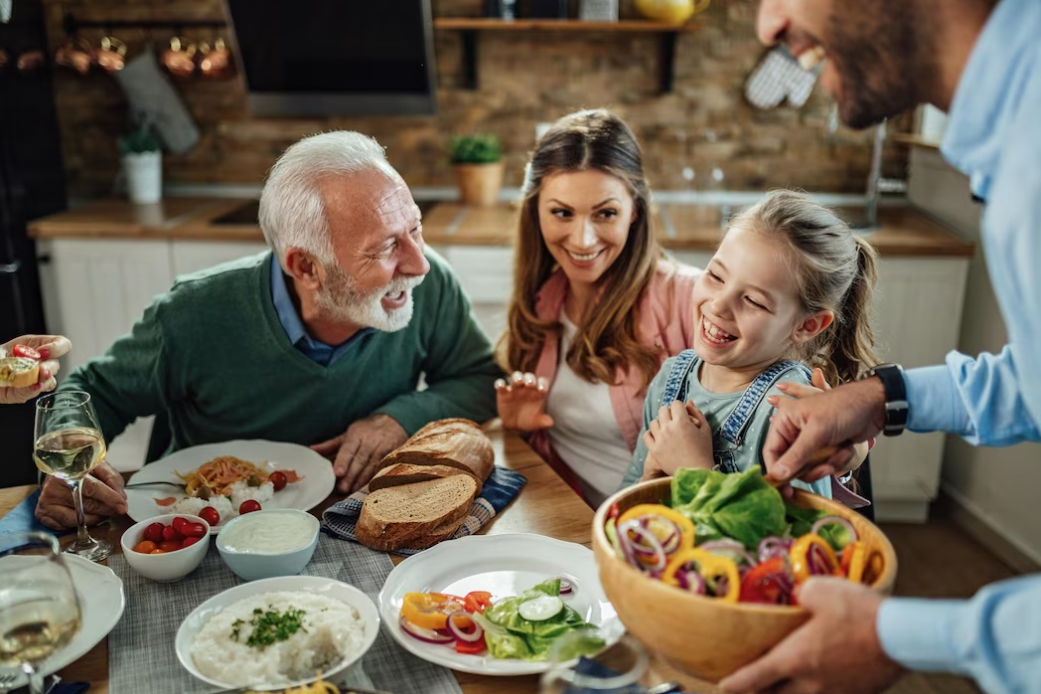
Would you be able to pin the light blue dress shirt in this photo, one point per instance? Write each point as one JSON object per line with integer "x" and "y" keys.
{"x": 313, "y": 349}
{"x": 994, "y": 136}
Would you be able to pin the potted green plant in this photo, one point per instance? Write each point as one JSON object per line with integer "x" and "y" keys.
{"x": 141, "y": 152}
{"x": 477, "y": 160}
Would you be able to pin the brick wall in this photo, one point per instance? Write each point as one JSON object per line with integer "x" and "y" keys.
{"x": 525, "y": 78}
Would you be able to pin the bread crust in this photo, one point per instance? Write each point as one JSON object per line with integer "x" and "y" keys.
{"x": 457, "y": 443}
{"x": 19, "y": 372}
{"x": 394, "y": 517}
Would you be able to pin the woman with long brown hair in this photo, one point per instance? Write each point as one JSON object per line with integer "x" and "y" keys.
{"x": 596, "y": 306}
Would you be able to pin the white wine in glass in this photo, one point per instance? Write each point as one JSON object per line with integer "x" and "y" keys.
{"x": 39, "y": 608}
{"x": 69, "y": 444}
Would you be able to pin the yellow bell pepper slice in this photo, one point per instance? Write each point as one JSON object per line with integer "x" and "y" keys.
{"x": 710, "y": 566}
{"x": 854, "y": 561}
{"x": 424, "y": 610}
{"x": 685, "y": 525}
{"x": 800, "y": 552}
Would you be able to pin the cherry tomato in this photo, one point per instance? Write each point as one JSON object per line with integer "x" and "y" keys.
{"x": 145, "y": 547}
{"x": 210, "y": 515}
{"x": 469, "y": 648}
{"x": 154, "y": 532}
{"x": 170, "y": 545}
{"x": 190, "y": 540}
{"x": 25, "y": 351}
{"x": 478, "y": 601}
{"x": 178, "y": 522}
{"x": 170, "y": 533}
{"x": 190, "y": 530}
{"x": 158, "y": 551}
{"x": 249, "y": 506}
{"x": 278, "y": 480}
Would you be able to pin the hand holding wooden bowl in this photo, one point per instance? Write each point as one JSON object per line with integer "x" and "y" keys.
{"x": 706, "y": 636}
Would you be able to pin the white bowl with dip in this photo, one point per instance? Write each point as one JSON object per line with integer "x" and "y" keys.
{"x": 265, "y": 544}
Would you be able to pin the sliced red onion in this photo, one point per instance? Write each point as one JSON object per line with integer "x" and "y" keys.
{"x": 818, "y": 561}
{"x": 648, "y": 540}
{"x": 428, "y": 635}
{"x": 838, "y": 520}
{"x": 462, "y": 634}
{"x": 565, "y": 586}
{"x": 672, "y": 542}
{"x": 722, "y": 586}
{"x": 695, "y": 582}
{"x": 773, "y": 546}
{"x": 731, "y": 549}
{"x": 626, "y": 546}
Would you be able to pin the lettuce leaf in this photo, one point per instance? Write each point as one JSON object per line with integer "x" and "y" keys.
{"x": 535, "y": 638}
{"x": 740, "y": 506}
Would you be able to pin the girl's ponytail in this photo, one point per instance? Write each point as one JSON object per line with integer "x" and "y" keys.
{"x": 851, "y": 341}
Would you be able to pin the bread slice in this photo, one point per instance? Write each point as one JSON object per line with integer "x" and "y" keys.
{"x": 18, "y": 372}
{"x": 457, "y": 443}
{"x": 407, "y": 473}
{"x": 438, "y": 534}
{"x": 392, "y": 517}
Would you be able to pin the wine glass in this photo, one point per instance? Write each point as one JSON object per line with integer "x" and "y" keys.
{"x": 39, "y": 610}
{"x": 615, "y": 670}
{"x": 69, "y": 445}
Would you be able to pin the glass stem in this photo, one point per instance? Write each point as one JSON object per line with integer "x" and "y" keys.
{"x": 35, "y": 681}
{"x": 82, "y": 536}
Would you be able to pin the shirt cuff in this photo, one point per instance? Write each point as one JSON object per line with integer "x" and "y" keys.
{"x": 919, "y": 634}
{"x": 931, "y": 400}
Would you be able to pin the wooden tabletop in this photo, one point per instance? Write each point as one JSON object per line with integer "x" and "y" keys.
{"x": 546, "y": 506}
{"x": 904, "y": 231}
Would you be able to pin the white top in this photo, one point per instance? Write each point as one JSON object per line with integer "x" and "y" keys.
{"x": 585, "y": 433}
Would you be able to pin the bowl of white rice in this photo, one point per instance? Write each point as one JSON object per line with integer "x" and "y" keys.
{"x": 277, "y": 633}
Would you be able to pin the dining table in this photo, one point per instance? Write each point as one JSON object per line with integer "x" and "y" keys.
{"x": 546, "y": 506}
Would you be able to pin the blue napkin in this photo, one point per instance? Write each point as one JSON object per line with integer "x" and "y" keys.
{"x": 21, "y": 519}
{"x": 501, "y": 487}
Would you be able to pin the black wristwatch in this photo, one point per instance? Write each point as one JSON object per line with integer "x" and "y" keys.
{"x": 892, "y": 377}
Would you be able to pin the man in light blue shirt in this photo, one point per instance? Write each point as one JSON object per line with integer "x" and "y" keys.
{"x": 981, "y": 60}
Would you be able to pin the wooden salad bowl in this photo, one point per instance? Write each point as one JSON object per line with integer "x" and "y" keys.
{"x": 701, "y": 635}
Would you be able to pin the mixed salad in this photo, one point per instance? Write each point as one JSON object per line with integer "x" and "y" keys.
{"x": 733, "y": 537}
{"x": 525, "y": 627}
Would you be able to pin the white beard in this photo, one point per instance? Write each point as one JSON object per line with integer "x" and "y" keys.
{"x": 341, "y": 300}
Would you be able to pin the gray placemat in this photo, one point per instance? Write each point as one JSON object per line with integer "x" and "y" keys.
{"x": 141, "y": 655}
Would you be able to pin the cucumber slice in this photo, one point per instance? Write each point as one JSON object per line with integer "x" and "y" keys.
{"x": 541, "y": 608}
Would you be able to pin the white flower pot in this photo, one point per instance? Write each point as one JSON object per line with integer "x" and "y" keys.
{"x": 144, "y": 175}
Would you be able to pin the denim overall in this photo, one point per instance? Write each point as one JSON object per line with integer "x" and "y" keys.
{"x": 728, "y": 437}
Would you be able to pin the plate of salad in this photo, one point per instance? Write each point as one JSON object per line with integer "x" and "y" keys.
{"x": 511, "y": 604}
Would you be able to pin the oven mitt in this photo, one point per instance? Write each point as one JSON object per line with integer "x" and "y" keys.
{"x": 154, "y": 100}
{"x": 778, "y": 76}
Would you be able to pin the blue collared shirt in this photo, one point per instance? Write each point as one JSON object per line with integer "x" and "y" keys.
{"x": 994, "y": 136}
{"x": 313, "y": 349}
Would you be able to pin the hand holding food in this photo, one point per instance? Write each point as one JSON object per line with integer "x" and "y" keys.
{"x": 680, "y": 437}
{"x": 103, "y": 496}
{"x": 28, "y": 365}
{"x": 812, "y": 658}
{"x": 357, "y": 452}
{"x": 522, "y": 402}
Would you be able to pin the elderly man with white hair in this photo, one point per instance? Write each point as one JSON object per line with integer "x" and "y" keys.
{"x": 319, "y": 342}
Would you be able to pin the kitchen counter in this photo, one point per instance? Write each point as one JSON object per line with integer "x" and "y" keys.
{"x": 904, "y": 231}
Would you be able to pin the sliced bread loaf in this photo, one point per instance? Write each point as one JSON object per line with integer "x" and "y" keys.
{"x": 392, "y": 517}
{"x": 457, "y": 443}
{"x": 441, "y": 532}
{"x": 407, "y": 473}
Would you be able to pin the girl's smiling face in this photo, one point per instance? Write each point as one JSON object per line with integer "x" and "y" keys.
{"x": 747, "y": 310}
{"x": 585, "y": 218}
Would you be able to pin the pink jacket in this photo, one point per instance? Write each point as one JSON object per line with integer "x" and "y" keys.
{"x": 666, "y": 321}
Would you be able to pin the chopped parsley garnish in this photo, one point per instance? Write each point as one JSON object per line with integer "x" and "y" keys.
{"x": 270, "y": 626}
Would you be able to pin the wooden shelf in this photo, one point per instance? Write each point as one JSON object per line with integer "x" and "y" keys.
{"x": 912, "y": 139}
{"x": 470, "y": 26}
{"x": 492, "y": 24}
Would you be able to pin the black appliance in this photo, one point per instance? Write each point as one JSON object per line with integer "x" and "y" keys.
{"x": 32, "y": 184}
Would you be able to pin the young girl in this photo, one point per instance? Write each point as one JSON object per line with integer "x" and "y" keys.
{"x": 789, "y": 282}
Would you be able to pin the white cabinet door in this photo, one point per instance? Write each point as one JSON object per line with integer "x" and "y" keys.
{"x": 191, "y": 256}
{"x": 917, "y": 317}
{"x": 486, "y": 274}
{"x": 95, "y": 291}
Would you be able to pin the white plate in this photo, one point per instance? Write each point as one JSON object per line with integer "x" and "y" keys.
{"x": 328, "y": 587}
{"x": 101, "y": 605}
{"x": 504, "y": 565}
{"x": 315, "y": 487}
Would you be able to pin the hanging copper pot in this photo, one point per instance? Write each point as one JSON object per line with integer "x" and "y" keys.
{"x": 30, "y": 61}
{"x": 74, "y": 53}
{"x": 216, "y": 62}
{"x": 111, "y": 57}
{"x": 179, "y": 58}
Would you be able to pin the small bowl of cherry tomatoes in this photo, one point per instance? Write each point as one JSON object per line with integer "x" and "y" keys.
{"x": 166, "y": 548}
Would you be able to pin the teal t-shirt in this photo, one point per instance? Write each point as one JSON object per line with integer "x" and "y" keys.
{"x": 717, "y": 407}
